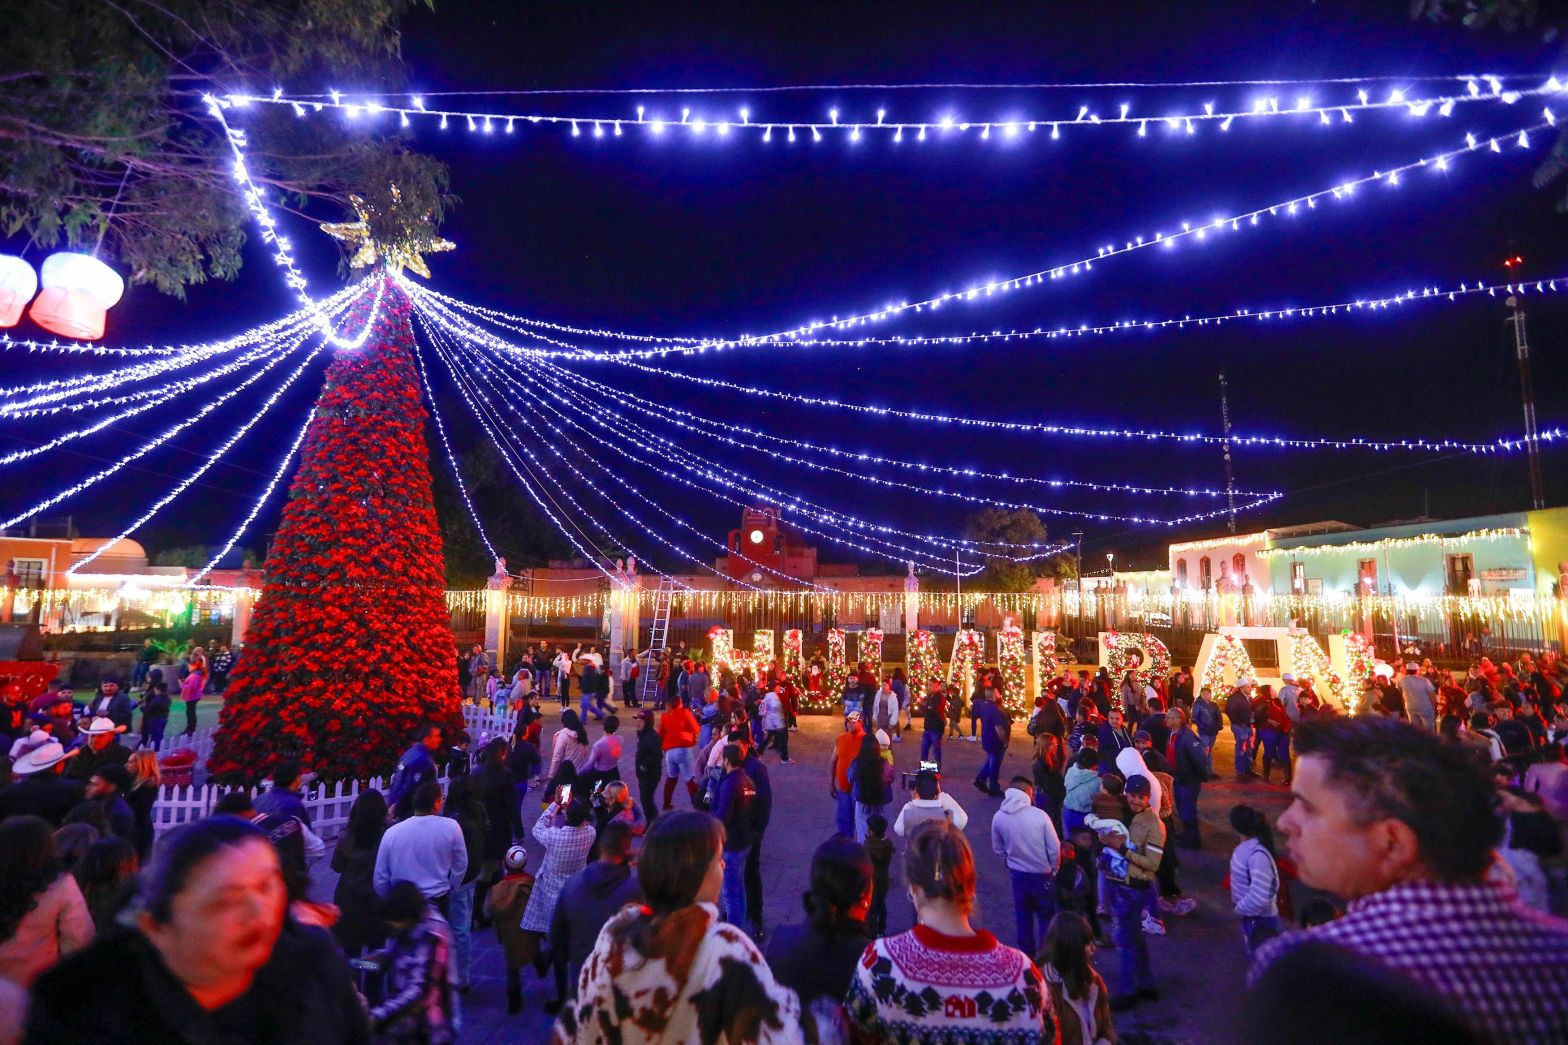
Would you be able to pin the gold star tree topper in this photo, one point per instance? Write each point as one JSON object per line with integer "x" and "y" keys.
{"x": 399, "y": 242}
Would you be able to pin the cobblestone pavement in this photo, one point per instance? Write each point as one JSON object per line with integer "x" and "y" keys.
{"x": 1200, "y": 964}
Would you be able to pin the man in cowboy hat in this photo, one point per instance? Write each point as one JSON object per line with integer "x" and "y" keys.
{"x": 112, "y": 703}
{"x": 103, "y": 749}
{"x": 41, "y": 790}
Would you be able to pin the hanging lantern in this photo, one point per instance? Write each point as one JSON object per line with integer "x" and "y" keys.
{"x": 78, "y": 291}
{"x": 18, "y": 284}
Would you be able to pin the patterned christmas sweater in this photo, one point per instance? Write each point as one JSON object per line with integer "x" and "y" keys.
{"x": 926, "y": 988}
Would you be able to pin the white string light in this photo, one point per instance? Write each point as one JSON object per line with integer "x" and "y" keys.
{"x": 451, "y": 459}
{"x": 1009, "y": 128}
{"x": 261, "y": 501}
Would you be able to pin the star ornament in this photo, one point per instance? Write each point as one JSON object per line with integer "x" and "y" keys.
{"x": 404, "y": 248}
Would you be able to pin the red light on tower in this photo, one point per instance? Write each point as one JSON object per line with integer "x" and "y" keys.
{"x": 1513, "y": 262}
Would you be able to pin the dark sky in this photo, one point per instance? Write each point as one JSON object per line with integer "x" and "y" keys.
{"x": 676, "y": 236}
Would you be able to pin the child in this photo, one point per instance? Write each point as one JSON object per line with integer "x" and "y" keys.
{"x": 504, "y": 905}
{"x": 955, "y": 713}
{"x": 881, "y": 852}
{"x": 1254, "y": 877}
{"x": 1082, "y": 784}
{"x": 418, "y": 970}
{"x": 1082, "y": 849}
{"x": 1108, "y": 803}
{"x": 155, "y": 714}
{"x": 1079, "y": 997}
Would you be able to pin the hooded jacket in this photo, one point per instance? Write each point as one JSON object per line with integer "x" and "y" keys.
{"x": 1082, "y": 785}
{"x": 1130, "y": 763}
{"x": 1023, "y": 834}
{"x": 590, "y": 898}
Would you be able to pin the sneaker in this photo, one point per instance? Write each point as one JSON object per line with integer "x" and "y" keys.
{"x": 786, "y": 761}
{"x": 1181, "y": 906}
{"x": 1153, "y": 926}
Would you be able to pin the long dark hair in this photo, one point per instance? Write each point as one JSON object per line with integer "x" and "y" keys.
{"x": 1067, "y": 951}
{"x": 367, "y": 820}
{"x": 1249, "y": 823}
{"x": 840, "y": 876}
{"x": 27, "y": 868}
{"x": 106, "y": 874}
{"x": 676, "y": 854}
{"x": 569, "y": 720}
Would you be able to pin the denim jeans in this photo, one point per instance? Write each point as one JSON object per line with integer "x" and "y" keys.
{"x": 753, "y": 879}
{"x": 462, "y": 919}
{"x": 780, "y": 739}
{"x": 1276, "y": 748}
{"x": 990, "y": 771}
{"x": 862, "y": 813}
{"x": 733, "y": 892}
{"x": 1132, "y": 947}
{"x": 931, "y": 742}
{"x": 1208, "y": 740}
{"x": 1034, "y": 905}
{"x": 1187, "y": 809}
{"x": 1256, "y": 930}
{"x": 844, "y": 820}
{"x": 1243, "y": 735}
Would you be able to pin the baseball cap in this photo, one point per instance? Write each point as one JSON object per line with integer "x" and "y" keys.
{"x": 853, "y": 716}
{"x": 1137, "y": 784}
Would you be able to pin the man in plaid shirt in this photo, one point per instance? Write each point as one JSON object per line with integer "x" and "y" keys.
{"x": 1402, "y": 825}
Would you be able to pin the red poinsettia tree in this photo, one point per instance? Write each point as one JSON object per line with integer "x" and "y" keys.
{"x": 349, "y": 648}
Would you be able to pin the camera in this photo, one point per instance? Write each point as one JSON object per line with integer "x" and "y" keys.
{"x": 934, "y": 768}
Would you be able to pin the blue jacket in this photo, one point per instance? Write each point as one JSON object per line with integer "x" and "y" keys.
{"x": 995, "y": 726}
{"x": 414, "y": 768}
{"x": 1206, "y": 718}
{"x": 735, "y": 806}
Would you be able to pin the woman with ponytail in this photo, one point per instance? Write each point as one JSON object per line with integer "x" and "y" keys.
{"x": 668, "y": 969}
{"x": 818, "y": 959}
{"x": 1254, "y": 877}
{"x": 990, "y": 993}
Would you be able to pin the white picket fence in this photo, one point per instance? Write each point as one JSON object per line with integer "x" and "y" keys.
{"x": 199, "y": 741}
{"x": 328, "y": 804}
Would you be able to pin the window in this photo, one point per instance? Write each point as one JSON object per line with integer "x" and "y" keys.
{"x": 1181, "y": 573}
{"x": 1298, "y": 577}
{"x": 1238, "y": 564}
{"x": 1366, "y": 574}
{"x": 1205, "y": 573}
{"x": 29, "y": 572}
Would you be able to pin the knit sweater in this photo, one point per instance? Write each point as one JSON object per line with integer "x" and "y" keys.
{"x": 1254, "y": 880}
{"x": 923, "y": 987}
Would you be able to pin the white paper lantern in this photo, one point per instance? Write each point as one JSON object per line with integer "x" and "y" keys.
{"x": 18, "y": 284}
{"x": 78, "y": 291}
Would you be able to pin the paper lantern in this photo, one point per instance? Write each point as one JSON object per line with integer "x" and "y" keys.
{"x": 78, "y": 291}
{"x": 18, "y": 284}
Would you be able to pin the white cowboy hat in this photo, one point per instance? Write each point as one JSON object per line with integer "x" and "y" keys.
{"x": 42, "y": 757}
{"x": 100, "y": 725}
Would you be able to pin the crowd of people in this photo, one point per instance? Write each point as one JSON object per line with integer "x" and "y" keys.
{"x": 1421, "y": 865}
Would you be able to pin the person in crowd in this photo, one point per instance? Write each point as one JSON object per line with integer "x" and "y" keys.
{"x": 71, "y": 843}
{"x": 43, "y": 914}
{"x": 504, "y": 906}
{"x": 464, "y": 806}
{"x": 735, "y": 806}
{"x": 213, "y": 956}
{"x": 1273, "y": 725}
{"x": 1079, "y": 999}
{"x": 107, "y": 787}
{"x": 762, "y": 816}
{"x": 1129, "y": 862}
{"x": 933, "y": 719}
{"x": 698, "y": 685}
{"x": 589, "y": 899}
{"x": 678, "y": 733}
{"x": 155, "y": 707}
{"x": 846, "y": 746}
{"x": 1255, "y": 883}
{"x": 524, "y": 759}
{"x": 283, "y": 797}
{"x": 112, "y": 703}
{"x": 566, "y": 832}
{"x": 1238, "y": 709}
{"x": 1387, "y": 816}
{"x": 989, "y": 992}
{"x": 146, "y": 781}
{"x": 288, "y": 836}
{"x": 955, "y": 712}
{"x": 1048, "y": 718}
{"x": 1512, "y": 733}
{"x": 1531, "y": 842}
{"x": 569, "y": 746}
{"x": 359, "y": 927}
{"x": 191, "y": 688}
{"x": 496, "y": 787}
{"x": 871, "y": 780}
{"x": 103, "y": 749}
{"x": 1420, "y": 700}
{"x": 417, "y": 966}
{"x": 1189, "y": 764}
{"x": 817, "y": 959}
{"x": 775, "y": 722}
{"x": 417, "y": 766}
{"x": 1207, "y": 719}
{"x": 880, "y": 849}
{"x": 604, "y": 756}
{"x": 1113, "y": 737}
{"x": 106, "y": 875}
{"x": 882, "y": 706}
{"x": 1048, "y": 768}
{"x": 614, "y": 805}
{"x": 998, "y": 731}
{"x": 222, "y": 664}
{"x": 929, "y": 802}
{"x": 668, "y": 969}
{"x": 1081, "y": 784}
{"x": 427, "y": 849}
{"x": 1077, "y": 881}
{"x": 648, "y": 761}
{"x": 40, "y": 787}
{"x": 1024, "y": 836}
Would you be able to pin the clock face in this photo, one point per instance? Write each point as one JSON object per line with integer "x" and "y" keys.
{"x": 756, "y": 536}
{"x": 756, "y": 577}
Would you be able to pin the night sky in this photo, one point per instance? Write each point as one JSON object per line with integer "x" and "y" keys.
{"x": 714, "y": 237}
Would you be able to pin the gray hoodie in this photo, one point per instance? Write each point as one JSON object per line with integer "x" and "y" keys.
{"x": 1024, "y": 834}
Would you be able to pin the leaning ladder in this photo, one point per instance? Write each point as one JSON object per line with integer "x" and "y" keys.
{"x": 658, "y": 640}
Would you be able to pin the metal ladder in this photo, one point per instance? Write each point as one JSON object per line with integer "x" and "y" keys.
{"x": 658, "y": 636}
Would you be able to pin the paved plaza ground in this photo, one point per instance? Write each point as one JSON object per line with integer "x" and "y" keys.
{"x": 1200, "y": 964}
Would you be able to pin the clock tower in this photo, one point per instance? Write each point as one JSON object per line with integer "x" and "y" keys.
{"x": 758, "y": 542}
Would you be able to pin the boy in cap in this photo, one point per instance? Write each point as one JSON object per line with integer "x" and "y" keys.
{"x": 504, "y": 905}
{"x": 1140, "y": 846}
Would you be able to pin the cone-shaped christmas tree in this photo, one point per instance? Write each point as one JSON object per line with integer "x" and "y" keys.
{"x": 350, "y": 647}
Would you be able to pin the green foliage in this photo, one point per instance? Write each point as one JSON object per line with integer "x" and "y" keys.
{"x": 1013, "y": 526}
{"x": 1508, "y": 15}
{"x": 194, "y": 556}
{"x": 516, "y": 527}
{"x": 103, "y": 133}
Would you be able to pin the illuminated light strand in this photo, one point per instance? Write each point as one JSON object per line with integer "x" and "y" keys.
{"x": 1504, "y": 533}
{"x": 147, "y": 448}
{"x": 336, "y": 303}
{"x": 261, "y": 502}
{"x": 451, "y": 458}
{"x": 465, "y": 389}
{"x": 710, "y": 470}
{"x": 282, "y": 250}
{"x": 1008, "y": 129}
{"x": 202, "y": 469}
{"x": 662, "y": 411}
{"x": 1042, "y": 428}
{"x": 694, "y": 346}
{"x": 1283, "y": 209}
{"x": 629, "y": 487}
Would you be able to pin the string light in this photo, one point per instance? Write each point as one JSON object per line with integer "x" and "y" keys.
{"x": 451, "y": 459}
{"x": 1391, "y": 543}
{"x": 1007, "y": 128}
{"x": 261, "y": 501}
